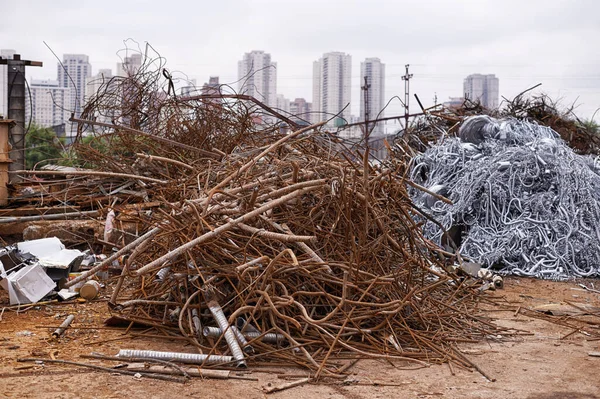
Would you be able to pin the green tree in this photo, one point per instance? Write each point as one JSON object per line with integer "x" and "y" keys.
{"x": 42, "y": 146}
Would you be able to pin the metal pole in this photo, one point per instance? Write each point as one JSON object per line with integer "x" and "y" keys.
{"x": 406, "y": 79}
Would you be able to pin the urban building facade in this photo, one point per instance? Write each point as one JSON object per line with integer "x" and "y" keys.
{"x": 332, "y": 87}
{"x": 482, "y": 88}
{"x": 212, "y": 87}
{"x": 7, "y": 54}
{"x": 257, "y": 77}
{"x": 47, "y": 108}
{"x": 189, "y": 89}
{"x": 73, "y": 74}
{"x": 454, "y": 102}
{"x": 372, "y": 73}
{"x": 283, "y": 105}
{"x": 94, "y": 83}
{"x": 301, "y": 110}
{"x": 130, "y": 65}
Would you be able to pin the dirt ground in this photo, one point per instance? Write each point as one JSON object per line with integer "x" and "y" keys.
{"x": 545, "y": 363}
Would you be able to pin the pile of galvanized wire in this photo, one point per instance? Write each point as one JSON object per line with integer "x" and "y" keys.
{"x": 522, "y": 200}
{"x": 270, "y": 245}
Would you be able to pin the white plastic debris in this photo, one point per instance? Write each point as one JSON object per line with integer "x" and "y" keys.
{"x": 50, "y": 252}
{"x": 109, "y": 225}
{"x": 27, "y": 285}
{"x": 66, "y": 294}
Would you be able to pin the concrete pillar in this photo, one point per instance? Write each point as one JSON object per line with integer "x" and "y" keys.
{"x": 5, "y": 160}
{"x": 16, "y": 111}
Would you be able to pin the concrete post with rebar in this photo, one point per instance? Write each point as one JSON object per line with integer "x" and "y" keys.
{"x": 16, "y": 107}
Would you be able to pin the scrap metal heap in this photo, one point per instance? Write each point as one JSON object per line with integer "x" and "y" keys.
{"x": 287, "y": 243}
{"x": 522, "y": 200}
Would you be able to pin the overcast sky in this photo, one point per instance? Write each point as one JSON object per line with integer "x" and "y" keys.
{"x": 525, "y": 42}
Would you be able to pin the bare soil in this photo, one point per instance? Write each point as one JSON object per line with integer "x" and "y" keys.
{"x": 547, "y": 363}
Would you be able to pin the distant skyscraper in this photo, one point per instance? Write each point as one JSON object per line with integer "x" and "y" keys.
{"x": 374, "y": 70}
{"x": 47, "y": 107}
{"x": 454, "y": 102}
{"x": 331, "y": 87}
{"x": 8, "y": 54}
{"x": 257, "y": 76}
{"x": 95, "y": 82}
{"x": 130, "y": 65}
{"x": 190, "y": 89}
{"x": 300, "y": 109}
{"x": 212, "y": 87}
{"x": 74, "y": 74}
{"x": 482, "y": 88}
{"x": 283, "y": 105}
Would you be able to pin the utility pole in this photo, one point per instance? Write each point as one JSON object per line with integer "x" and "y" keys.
{"x": 16, "y": 107}
{"x": 406, "y": 78}
{"x": 366, "y": 156}
{"x": 365, "y": 88}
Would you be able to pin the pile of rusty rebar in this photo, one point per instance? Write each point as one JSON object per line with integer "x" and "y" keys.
{"x": 294, "y": 242}
{"x": 270, "y": 242}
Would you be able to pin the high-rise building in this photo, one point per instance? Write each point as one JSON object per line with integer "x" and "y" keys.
{"x": 7, "y": 54}
{"x": 374, "y": 71}
{"x": 482, "y": 88}
{"x": 73, "y": 73}
{"x": 283, "y": 105}
{"x": 130, "y": 65}
{"x": 94, "y": 83}
{"x": 47, "y": 107}
{"x": 454, "y": 102}
{"x": 300, "y": 109}
{"x": 190, "y": 89}
{"x": 212, "y": 87}
{"x": 257, "y": 76}
{"x": 331, "y": 87}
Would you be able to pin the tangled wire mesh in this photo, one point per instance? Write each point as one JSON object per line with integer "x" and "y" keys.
{"x": 522, "y": 200}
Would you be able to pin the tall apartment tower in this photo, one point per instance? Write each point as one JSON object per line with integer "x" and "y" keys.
{"x": 47, "y": 107}
{"x": 482, "y": 88}
{"x": 130, "y": 65}
{"x": 374, "y": 71}
{"x": 257, "y": 76}
{"x": 73, "y": 74}
{"x": 331, "y": 87}
{"x": 8, "y": 54}
{"x": 94, "y": 83}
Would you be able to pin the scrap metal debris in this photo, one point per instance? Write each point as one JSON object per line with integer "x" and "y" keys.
{"x": 284, "y": 242}
{"x": 257, "y": 240}
{"x": 523, "y": 201}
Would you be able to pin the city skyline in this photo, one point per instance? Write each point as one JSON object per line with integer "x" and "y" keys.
{"x": 257, "y": 76}
{"x": 441, "y": 41}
